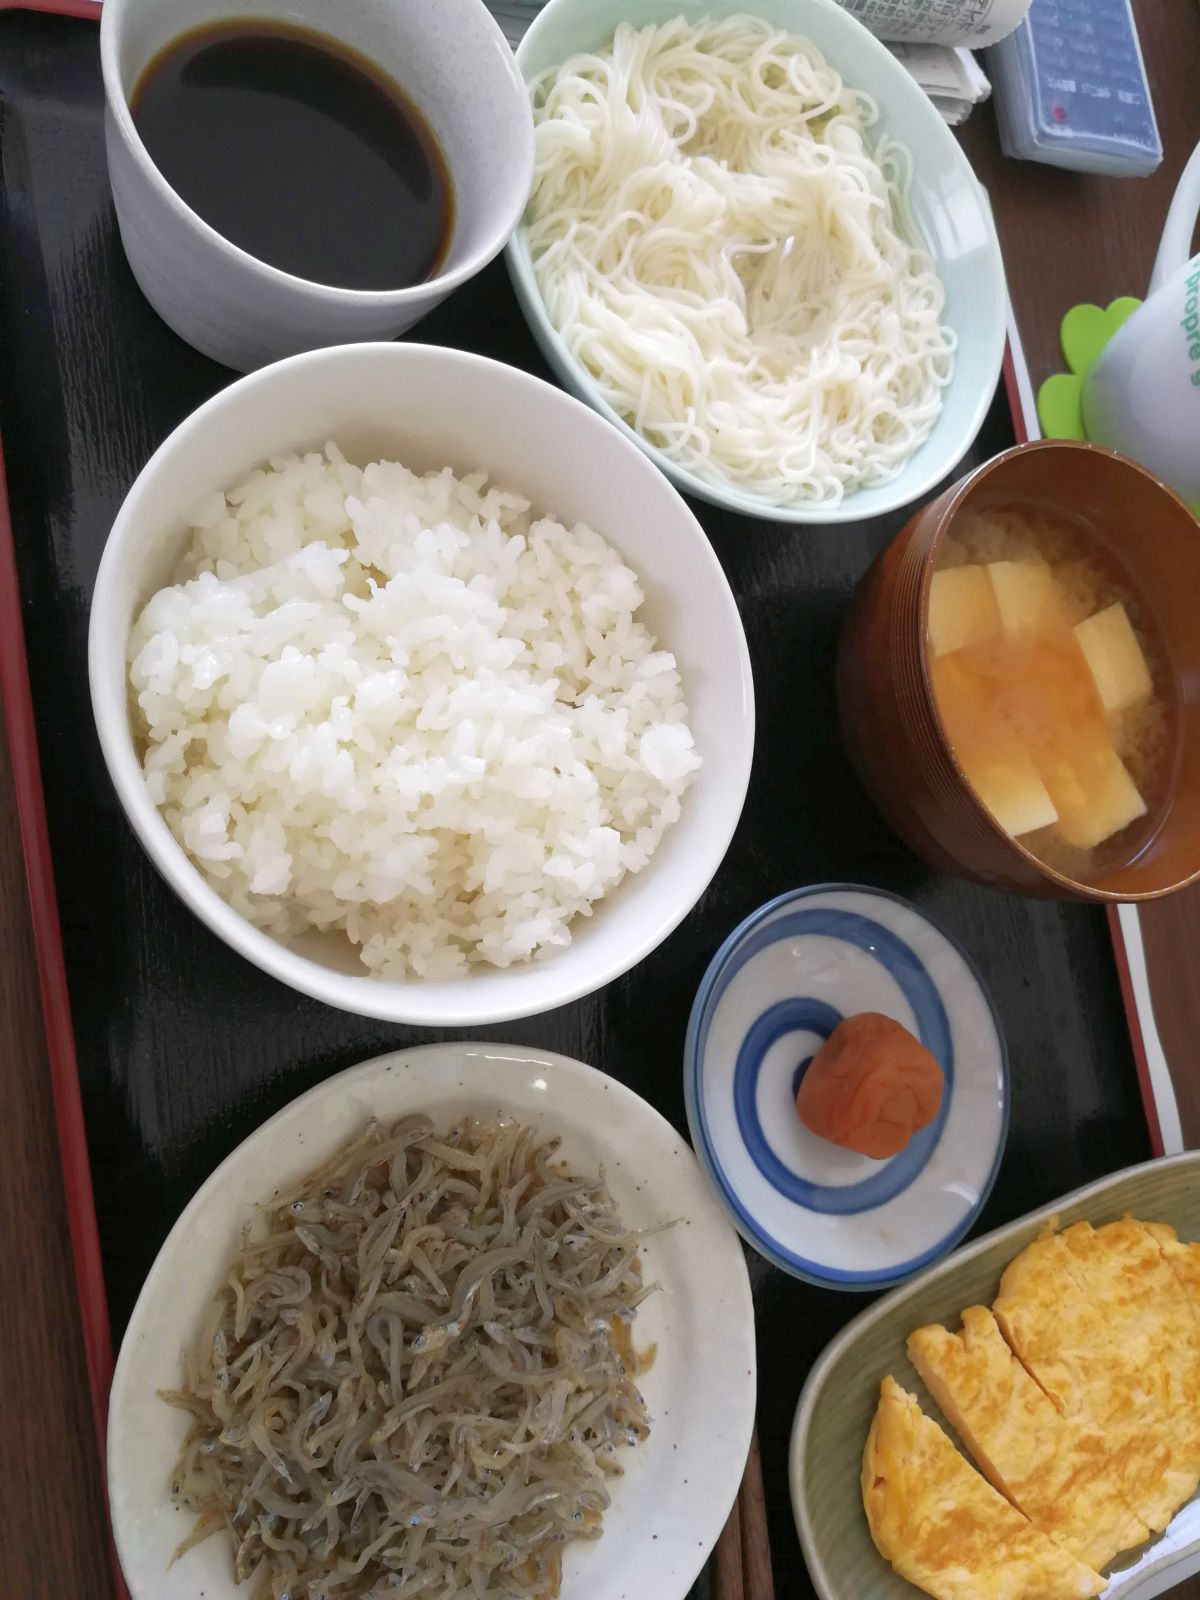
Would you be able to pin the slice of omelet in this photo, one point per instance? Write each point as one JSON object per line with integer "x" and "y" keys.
{"x": 1053, "y": 1469}
{"x": 943, "y": 1527}
{"x": 1062, "y": 1338}
{"x": 1183, "y": 1260}
{"x": 1121, "y": 1267}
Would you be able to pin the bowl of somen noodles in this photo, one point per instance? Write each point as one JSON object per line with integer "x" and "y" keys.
{"x": 753, "y": 245}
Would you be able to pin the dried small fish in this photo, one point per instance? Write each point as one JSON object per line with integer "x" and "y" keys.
{"x": 416, "y": 1373}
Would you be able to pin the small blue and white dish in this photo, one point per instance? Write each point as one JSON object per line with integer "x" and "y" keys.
{"x": 773, "y": 993}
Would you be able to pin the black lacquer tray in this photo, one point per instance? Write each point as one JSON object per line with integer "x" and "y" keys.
{"x": 179, "y": 1047}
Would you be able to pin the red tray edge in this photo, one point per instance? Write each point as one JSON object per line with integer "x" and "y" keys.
{"x": 17, "y": 704}
{"x": 57, "y": 8}
{"x": 52, "y": 980}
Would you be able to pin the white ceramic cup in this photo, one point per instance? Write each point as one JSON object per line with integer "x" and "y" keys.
{"x": 1142, "y": 396}
{"x": 452, "y": 60}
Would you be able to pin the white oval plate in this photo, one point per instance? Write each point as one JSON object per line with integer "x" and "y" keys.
{"x": 771, "y": 996}
{"x": 678, "y": 1486}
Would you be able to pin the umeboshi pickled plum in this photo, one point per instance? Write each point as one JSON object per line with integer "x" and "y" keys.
{"x": 870, "y": 1087}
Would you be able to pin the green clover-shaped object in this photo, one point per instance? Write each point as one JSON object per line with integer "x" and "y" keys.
{"x": 1085, "y": 331}
{"x": 1060, "y": 407}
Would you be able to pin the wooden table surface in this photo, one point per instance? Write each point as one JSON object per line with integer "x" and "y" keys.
{"x": 1066, "y": 238}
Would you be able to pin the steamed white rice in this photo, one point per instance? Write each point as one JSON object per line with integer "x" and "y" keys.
{"x": 404, "y": 707}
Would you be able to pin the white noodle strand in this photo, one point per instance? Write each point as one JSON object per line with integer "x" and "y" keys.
{"x": 721, "y": 248}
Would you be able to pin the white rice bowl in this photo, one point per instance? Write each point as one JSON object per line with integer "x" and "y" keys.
{"x": 408, "y": 708}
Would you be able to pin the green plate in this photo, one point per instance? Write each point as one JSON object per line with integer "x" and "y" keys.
{"x": 839, "y": 1398}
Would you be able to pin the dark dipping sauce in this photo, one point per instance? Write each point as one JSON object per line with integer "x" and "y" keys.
{"x": 299, "y": 151}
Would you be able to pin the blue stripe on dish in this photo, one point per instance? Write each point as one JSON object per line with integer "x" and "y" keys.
{"x": 814, "y": 1271}
{"x": 791, "y": 1016}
